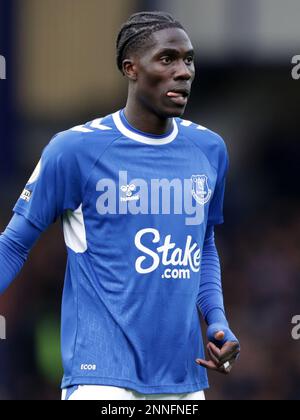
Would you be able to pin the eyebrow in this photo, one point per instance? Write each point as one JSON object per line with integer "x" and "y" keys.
{"x": 174, "y": 51}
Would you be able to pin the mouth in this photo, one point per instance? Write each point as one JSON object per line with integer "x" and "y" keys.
{"x": 179, "y": 96}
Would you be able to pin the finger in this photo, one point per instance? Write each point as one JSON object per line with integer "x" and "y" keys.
{"x": 230, "y": 363}
{"x": 216, "y": 351}
{"x": 228, "y": 358}
{"x": 228, "y": 352}
{"x": 207, "y": 364}
{"x": 226, "y": 370}
{"x": 213, "y": 357}
{"x": 211, "y": 366}
{"x": 232, "y": 360}
{"x": 228, "y": 355}
{"x": 229, "y": 347}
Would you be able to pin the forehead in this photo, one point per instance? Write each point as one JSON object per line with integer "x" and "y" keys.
{"x": 170, "y": 38}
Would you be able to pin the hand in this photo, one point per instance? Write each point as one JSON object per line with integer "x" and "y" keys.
{"x": 227, "y": 353}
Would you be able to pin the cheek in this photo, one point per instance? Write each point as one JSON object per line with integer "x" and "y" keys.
{"x": 153, "y": 89}
{"x": 193, "y": 73}
{"x": 155, "y": 78}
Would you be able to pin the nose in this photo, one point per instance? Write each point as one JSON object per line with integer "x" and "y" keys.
{"x": 183, "y": 71}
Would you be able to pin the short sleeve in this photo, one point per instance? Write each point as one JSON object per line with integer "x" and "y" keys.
{"x": 216, "y": 216}
{"x": 55, "y": 185}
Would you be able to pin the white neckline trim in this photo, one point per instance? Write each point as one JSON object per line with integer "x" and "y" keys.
{"x": 143, "y": 139}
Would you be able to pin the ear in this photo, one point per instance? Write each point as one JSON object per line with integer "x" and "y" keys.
{"x": 129, "y": 69}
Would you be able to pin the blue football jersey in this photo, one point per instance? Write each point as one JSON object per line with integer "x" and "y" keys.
{"x": 134, "y": 209}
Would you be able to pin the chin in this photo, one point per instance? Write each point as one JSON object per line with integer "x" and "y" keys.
{"x": 179, "y": 113}
{"x": 173, "y": 112}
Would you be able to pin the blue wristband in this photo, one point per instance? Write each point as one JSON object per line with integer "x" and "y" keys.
{"x": 216, "y": 327}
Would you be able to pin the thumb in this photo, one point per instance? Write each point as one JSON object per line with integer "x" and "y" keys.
{"x": 220, "y": 335}
{"x": 217, "y": 333}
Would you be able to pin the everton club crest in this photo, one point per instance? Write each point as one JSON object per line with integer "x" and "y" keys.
{"x": 200, "y": 189}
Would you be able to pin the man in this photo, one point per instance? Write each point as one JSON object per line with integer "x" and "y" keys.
{"x": 139, "y": 192}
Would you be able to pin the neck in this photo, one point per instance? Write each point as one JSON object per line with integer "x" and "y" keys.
{"x": 145, "y": 120}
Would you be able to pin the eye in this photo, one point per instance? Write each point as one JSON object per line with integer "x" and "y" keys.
{"x": 166, "y": 60}
{"x": 189, "y": 60}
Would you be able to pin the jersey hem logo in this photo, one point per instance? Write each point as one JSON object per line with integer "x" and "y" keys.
{"x": 88, "y": 367}
{"x": 200, "y": 189}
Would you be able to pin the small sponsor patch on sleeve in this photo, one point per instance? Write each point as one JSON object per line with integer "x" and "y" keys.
{"x": 26, "y": 195}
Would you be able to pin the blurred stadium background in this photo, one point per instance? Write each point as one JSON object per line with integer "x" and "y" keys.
{"x": 61, "y": 72}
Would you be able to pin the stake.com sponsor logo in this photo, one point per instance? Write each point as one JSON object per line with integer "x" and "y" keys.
{"x": 167, "y": 255}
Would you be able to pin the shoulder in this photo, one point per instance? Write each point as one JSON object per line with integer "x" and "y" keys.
{"x": 201, "y": 136}
{"x": 210, "y": 142}
{"x": 90, "y": 137}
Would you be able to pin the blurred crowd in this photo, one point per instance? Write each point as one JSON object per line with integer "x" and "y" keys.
{"x": 261, "y": 268}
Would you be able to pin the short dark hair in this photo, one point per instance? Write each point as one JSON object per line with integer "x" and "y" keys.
{"x": 137, "y": 30}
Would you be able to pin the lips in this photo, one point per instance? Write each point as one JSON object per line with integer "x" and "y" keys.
{"x": 179, "y": 96}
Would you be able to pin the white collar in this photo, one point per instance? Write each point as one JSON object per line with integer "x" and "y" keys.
{"x": 146, "y": 139}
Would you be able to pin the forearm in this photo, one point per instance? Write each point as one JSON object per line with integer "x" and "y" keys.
{"x": 12, "y": 259}
{"x": 15, "y": 244}
{"x": 210, "y": 297}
